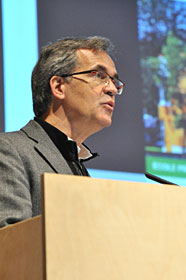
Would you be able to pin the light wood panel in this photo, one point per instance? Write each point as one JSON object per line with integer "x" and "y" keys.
{"x": 21, "y": 251}
{"x": 113, "y": 230}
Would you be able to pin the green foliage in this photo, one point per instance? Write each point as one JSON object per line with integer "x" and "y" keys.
{"x": 162, "y": 33}
{"x": 174, "y": 52}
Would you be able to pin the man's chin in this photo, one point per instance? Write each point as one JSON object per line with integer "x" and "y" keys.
{"x": 106, "y": 122}
{"x": 99, "y": 125}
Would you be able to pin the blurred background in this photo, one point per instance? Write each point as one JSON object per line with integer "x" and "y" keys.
{"x": 148, "y": 132}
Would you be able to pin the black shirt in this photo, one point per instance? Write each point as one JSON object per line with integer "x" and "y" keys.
{"x": 67, "y": 148}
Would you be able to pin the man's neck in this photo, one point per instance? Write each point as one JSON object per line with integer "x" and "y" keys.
{"x": 75, "y": 131}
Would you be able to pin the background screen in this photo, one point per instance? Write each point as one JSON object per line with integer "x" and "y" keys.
{"x": 162, "y": 45}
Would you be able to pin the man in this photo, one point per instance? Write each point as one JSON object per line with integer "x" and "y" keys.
{"x": 74, "y": 85}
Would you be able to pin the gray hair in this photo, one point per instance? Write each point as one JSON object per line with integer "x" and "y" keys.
{"x": 59, "y": 59}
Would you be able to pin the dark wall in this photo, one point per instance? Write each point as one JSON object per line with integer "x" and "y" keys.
{"x": 122, "y": 145}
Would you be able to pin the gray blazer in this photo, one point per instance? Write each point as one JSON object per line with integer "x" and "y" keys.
{"x": 24, "y": 156}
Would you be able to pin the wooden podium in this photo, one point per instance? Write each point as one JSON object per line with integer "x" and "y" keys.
{"x": 97, "y": 229}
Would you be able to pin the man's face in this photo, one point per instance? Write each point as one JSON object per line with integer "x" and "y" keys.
{"x": 85, "y": 102}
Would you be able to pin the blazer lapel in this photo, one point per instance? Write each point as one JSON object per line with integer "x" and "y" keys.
{"x": 46, "y": 148}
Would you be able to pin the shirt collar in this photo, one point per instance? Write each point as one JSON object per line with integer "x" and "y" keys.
{"x": 83, "y": 152}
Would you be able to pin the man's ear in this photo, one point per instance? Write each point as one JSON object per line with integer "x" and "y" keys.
{"x": 57, "y": 87}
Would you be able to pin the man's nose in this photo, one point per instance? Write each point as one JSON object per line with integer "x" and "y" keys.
{"x": 110, "y": 88}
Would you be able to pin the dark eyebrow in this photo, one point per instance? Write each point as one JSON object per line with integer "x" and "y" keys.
{"x": 102, "y": 68}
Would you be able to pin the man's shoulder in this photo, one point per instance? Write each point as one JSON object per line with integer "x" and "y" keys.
{"x": 31, "y": 129}
{"x": 10, "y": 135}
{"x": 23, "y": 141}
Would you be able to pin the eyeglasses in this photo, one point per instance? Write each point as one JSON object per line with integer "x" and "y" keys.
{"x": 101, "y": 77}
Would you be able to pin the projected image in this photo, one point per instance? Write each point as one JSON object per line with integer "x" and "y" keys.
{"x": 162, "y": 43}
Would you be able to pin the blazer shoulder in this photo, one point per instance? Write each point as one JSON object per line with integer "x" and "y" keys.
{"x": 32, "y": 130}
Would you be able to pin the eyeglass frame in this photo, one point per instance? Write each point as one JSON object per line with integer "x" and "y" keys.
{"x": 95, "y": 70}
